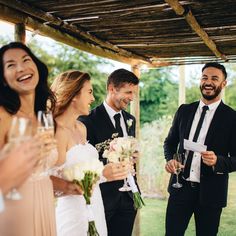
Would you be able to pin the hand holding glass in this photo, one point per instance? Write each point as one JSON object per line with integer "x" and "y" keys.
{"x": 178, "y": 163}
{"x": 46, "y": 131}
{"x": 20, "y": 130}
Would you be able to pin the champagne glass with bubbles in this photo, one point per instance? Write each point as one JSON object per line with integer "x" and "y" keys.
{"x": 46, "y": 129}
{"x": 178, "y": 158}
{"x": 21, "y": 129}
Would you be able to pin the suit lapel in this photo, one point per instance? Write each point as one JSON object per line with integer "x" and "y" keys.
{"x": 106, "y": 120}
{"x": 213, "y": 128}
{"x": 190, "y": 119}
{"x": 125, "y": 119}
{"x": 129, "y": 129}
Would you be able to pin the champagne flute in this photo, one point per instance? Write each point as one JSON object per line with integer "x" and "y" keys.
{"x": 21, "y": 129}
{"x": 125, "y": 187}
{"x": 45, "y": 129}
{"x": 134, "y": 148}
{"x": 178, "y": 158}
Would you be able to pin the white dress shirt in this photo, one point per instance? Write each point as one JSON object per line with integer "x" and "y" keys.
{"x": 196, "y": 161}
{"x": 111, "y": 112}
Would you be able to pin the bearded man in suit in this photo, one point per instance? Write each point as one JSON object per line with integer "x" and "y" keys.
{"x": 108, "y": 118}
{"x": 205, "y": 175}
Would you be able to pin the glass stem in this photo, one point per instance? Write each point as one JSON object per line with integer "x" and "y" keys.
{"x": 177, "y": 178}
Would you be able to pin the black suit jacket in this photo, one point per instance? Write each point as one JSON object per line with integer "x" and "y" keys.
{"x": 100, "y": 128}
{"x": 221, "y": 138}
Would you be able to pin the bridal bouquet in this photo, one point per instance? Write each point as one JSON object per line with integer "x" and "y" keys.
{"x": 122, "y": 149}
{"x": 86, "y": 174}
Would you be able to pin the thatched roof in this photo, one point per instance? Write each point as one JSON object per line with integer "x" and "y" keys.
{"x": 138, "y": 31}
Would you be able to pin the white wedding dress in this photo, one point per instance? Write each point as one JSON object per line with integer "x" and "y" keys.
{"x": 71, "y": 212}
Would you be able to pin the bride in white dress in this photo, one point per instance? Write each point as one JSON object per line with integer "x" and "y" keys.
{"x": 74, "y": 94}
{"x": 71, "y": 212}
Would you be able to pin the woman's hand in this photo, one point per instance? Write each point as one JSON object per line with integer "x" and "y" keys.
{"x": 65, "y": 187}
{"x": 48, "y": 142}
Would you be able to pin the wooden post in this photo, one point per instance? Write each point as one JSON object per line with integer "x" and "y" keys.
{"x": 20, "y": 32}
{"x": 135, "y": 111}
{"x": 181, "y": 85}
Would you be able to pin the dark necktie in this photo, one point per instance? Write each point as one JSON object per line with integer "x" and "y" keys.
{"x": 195, "y": 137}
{"x": 117, "y": 124}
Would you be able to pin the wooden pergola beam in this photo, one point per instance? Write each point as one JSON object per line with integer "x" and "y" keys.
{"x": 49, "y": 19}
{"x": 20, "y": 32}
{"x": 190, "y": 18}
{"x": 14, "y": 16}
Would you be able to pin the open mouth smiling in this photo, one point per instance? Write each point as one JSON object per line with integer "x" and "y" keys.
{"x": 24, "y": 78}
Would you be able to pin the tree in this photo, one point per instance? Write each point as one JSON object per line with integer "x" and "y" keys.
{"x": 157, "y": 90}
{"x": 67, "y": 58}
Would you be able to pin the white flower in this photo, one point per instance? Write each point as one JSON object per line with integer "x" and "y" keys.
{"x": 129, "y": 123}
{"x": 77, "y": 171}
{"x": 121, "y": 149}
{"x": 68, "y": 174}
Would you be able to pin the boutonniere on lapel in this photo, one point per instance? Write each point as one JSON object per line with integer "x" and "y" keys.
{"x": 129, "y": 123}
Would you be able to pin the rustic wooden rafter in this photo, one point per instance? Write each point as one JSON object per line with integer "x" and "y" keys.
{"x": 52, "y": 20}
{"x": 16, "y": 17}
{"x": 190, "y": 18}
{"x": 20, "y": 32}
{"x": 138, "y": 31}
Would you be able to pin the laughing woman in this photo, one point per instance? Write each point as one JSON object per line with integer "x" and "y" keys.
{"x": 23, "y": 92}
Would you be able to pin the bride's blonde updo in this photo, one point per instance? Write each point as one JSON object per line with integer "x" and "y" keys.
{"x": 66, "y": 86}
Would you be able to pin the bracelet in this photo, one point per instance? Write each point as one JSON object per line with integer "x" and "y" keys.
{"x": 58, "y": 193}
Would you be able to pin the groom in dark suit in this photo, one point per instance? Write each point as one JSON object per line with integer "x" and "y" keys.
{"x": 109, "y": 118}
{"x": 205, "y": 174}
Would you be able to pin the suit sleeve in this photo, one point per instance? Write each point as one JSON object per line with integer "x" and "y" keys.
{"x": 227, "y": 164}
{"x": 172, "y": 140}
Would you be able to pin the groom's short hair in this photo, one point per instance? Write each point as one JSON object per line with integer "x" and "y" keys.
{"x": 121, "y": 76}
{"x": 216, "y": 65}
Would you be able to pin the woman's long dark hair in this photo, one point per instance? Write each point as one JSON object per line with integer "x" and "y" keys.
{"x": 9, "y": 98}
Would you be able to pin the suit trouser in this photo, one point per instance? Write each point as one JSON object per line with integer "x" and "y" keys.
{"x": 184, "y": 202}
{"x": 120, "y": 220}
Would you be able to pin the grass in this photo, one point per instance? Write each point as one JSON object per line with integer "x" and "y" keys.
{"x": 153, "y": 215}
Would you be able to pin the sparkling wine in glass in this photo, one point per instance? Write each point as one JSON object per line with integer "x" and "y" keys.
{"x": 178, "y": 158}
{"x": 20, "y": 130}
{"x": 46, "y": 129}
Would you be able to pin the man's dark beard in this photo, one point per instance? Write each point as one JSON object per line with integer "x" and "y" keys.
{"x": 211, "y": 97}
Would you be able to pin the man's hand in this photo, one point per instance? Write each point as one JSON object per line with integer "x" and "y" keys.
{"x": 209, "y": 158}
{"x": 117, "y": 171}
{"x": 171, "y": 166}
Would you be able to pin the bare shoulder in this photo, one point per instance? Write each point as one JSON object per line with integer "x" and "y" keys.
{"x": 61, "y": 134}
{"x": 5, "y": 123}
{"x": 4, "y": 115}
{"x": 82, "y": 129}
